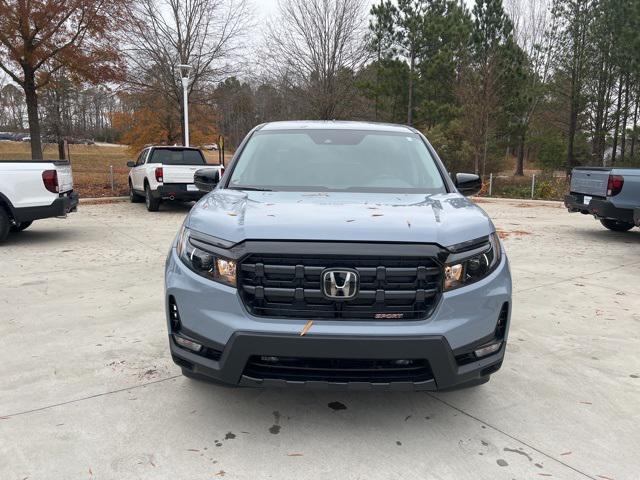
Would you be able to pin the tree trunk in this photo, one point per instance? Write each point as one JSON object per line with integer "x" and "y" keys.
{"x": 617, "y": 126}
{"x": 486, "y": 144}
{"x": 31, "y": 98}
{"x": 412, "y": 65}
{"x": 573, "y": 122}
{"x": 61, "y": 152}
{"x": 520, "y": 162}
{"x": 635, "y": 123}
{"x": 625, "y": 117}
{"x": 601, "y": 109}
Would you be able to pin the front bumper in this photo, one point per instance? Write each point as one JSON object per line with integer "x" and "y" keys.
{"x": 446, "y": 373}
{"x": 213, "y": 314}
{"x": 599, "y": 208}
{"x": 65, "y": 203}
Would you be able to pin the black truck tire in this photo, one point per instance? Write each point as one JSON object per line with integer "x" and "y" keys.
{"x": 133, "y": 196}
{"x": 615, "y": 225}
{"x": 153, "y": 204}
{"x": 18, "y": 227}
{"x": 5, "y": 224}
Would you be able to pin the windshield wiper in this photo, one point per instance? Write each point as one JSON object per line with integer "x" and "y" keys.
{"x": 252, "y": 189}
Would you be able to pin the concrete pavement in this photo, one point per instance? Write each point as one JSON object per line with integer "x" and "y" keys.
{"x": 88, "y": 390}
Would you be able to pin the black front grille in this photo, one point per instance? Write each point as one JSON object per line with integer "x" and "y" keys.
{"x": 390, "y": 288}
{"x": 338, "y": 369}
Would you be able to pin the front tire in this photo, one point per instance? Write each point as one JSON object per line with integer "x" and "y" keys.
{"x": 18, "y": 227}
{"x": 615, "y": 225}
{"x": 5, "y": 225}
{"x": 153, "y": 204}
{"x": 133, "y": 196}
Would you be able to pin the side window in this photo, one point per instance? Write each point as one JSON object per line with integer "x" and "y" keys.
{"x": 141, "y": 158}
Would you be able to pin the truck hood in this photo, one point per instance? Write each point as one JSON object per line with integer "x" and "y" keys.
{"x": 444, "y": 219}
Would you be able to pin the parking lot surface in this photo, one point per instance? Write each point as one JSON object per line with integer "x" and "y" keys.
{"x": 88, "y": 389}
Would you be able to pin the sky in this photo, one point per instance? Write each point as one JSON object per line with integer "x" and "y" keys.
{"x": 265, "y": 8}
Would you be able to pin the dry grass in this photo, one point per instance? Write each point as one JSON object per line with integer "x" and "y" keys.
{"x": 91, "y": 165}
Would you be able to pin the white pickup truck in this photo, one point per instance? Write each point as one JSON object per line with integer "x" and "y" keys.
{"x": 166, "y": 173}
{"x": 31, "y": 190}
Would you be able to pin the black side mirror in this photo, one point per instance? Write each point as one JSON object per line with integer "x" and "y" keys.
{"x": 131, "y": 164}
{"x": 206, "y": 179}
{"x": 468, "y": 183}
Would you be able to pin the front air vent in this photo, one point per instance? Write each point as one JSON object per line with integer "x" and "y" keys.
{"x": 174, "y": 314}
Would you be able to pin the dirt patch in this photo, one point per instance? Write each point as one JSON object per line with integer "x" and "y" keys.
{"x": 106, "y": 201}
{"x": 504, "y": 234}
{"x": 538, "y": 205}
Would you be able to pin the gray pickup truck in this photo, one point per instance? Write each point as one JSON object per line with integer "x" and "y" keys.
{"x": 338, "y": 255}
{"x": 611, "y": 195}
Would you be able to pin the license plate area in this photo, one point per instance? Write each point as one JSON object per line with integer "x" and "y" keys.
{"x": 191, "y": 188}
{"x": 586, "y": 199}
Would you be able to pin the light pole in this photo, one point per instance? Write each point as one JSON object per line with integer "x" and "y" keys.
{"x": 185, "y": 71}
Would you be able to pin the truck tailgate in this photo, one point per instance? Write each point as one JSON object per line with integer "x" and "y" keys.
{"x": 179, "y": 173}
{"x": 65, "y": 177}
{"x": 590, "y": 181}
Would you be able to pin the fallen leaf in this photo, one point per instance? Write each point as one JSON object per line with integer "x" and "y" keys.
{"x": 220, "y": 473}
{"x": 193, "y": 450}
{"x": 566, "y": 453}
{"x": 604, "y": 477}
{"x": 376, "y": 214}
{"x": 545, "y": 474}
{"x": 294, "y": 455}
{"x": 351, "y": 220}
{"x": 586, "y": 403}
{"x": 306, "y": 328}
{"x": 232, "y": 214}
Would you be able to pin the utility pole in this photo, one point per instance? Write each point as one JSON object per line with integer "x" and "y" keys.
{"x": 185, "y": 71}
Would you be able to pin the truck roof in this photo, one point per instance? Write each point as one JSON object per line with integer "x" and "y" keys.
{"x": 172, "y": 147}
{"x": 336, "y": 125}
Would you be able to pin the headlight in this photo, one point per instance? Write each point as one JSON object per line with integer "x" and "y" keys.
{"x": 473, "y": 268}
{"x": 204, "y": 263}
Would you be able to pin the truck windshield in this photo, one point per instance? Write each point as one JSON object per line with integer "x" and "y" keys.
{"x": 337, "y": 160}
{"x": 173, "y": 156}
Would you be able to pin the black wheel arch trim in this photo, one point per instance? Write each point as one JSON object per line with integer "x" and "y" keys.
{"x": 7, "y": 202}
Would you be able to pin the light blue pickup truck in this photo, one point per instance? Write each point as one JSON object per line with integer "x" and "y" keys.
{"x": 338, "y": 255}
{"x": 611, "y": 195}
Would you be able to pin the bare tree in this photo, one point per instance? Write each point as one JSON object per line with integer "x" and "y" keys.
{"x": 205, "y": 34}
{"x": 316, "y": 46}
